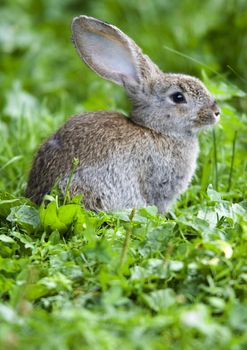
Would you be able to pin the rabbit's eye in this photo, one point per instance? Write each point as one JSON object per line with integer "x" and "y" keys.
{"x": 178, "y": 97}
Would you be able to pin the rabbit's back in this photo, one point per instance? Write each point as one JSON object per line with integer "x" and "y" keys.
{"x": 93, "y": 138}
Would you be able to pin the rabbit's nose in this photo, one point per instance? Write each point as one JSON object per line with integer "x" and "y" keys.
{"x": 216, "y": 110}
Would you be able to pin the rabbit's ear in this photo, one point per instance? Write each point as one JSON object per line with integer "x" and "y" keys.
{"x": 108, "y": 51}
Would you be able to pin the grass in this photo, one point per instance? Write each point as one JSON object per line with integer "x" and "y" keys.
{"x": 72, "y": 279}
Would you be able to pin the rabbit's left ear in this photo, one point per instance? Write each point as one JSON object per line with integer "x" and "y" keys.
{"x": 109, "y": 52}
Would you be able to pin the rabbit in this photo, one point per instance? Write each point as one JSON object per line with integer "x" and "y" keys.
{"x": 146, "y": 159}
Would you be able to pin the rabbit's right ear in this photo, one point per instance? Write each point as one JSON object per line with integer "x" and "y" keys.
{"x": 109, "y": 52}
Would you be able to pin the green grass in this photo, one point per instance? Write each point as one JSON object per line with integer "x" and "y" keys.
{"x": 72, "y": 279}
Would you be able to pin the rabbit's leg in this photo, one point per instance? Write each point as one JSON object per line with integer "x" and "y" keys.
{"x": 163, "y": 205}
{"x": 103, "y": 190}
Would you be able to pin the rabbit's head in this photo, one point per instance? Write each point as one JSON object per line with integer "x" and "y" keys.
{"x": 166, "y": 103}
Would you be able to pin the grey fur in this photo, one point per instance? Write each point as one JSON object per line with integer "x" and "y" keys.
{"x": 147, "y": 159}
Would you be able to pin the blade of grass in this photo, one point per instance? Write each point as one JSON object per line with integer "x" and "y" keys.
{"x": 11, "y": 161}
{"x": 215, "y": 160}
{"x": 232, "y": 161}
{"x": 206, "y": 170}
{"x": 74, "y": 166}
{"x": 126, "y": 240}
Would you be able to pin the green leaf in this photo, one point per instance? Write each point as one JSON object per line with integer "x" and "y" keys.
{"x": 49, "y": 218}
{"x": 69, "y": 213}
{"x": 7, "y": 201}
{"x": 25, "y": 216}
{"x": 160, "y": 300}
{"x": 6, "y": 239}
{"x": 61, "y": 218}
{"x": 212, "y": 194}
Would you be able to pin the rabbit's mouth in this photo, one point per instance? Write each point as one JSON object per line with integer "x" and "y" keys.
{"x": 216, "y": 112}
{"x": 207, "y": 117}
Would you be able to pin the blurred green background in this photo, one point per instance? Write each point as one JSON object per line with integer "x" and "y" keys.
{"x": 43, "y": 81}
{"x": 36, "y": 48}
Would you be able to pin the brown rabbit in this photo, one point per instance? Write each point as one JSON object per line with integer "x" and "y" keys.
{"x": 146, "y": 159}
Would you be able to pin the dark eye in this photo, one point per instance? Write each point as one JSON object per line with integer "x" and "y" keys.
{"x": 178, "y": 97}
